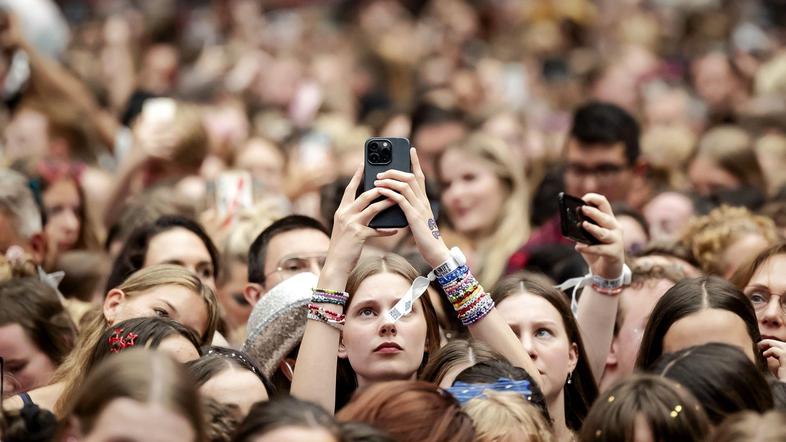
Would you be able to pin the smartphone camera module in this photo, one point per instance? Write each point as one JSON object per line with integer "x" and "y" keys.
{"x": 379, "y": 152}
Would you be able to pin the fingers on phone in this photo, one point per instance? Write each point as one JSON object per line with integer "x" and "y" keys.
{"x": 600, "y": 233}
{"x": 600, "y": 218}
{"x": 599, "y": 201}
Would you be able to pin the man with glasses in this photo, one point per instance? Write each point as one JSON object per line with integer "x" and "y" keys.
{"x": 294, "y": 244}
{"x": 601, "y": 155}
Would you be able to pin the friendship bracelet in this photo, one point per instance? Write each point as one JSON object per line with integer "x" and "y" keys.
{"x": 321, "y": 297}
{"x": 467, "y": 296}
{"x": 331, "y": 318}
{"x": 456, "y": 274}
{"x": 335, "y": 296}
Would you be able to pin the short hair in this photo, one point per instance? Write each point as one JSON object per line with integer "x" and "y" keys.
{"x": 257, "y": 253}
{"x": 671, "y": 412}
{"x": 17, "y": 202}
{"x": 36, "y": 307}
{"x": 426, "y": 114}
{"x": 720, "y": 376}
{"x": 603, "y": 123}
{"x": 132, "y": 255}
{"x": 284, "y": 411}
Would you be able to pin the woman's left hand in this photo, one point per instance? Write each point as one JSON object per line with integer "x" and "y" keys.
{"x": 408, "y": 190}
{"x": 605, "y": 259}
{"x": 775, "y": 350}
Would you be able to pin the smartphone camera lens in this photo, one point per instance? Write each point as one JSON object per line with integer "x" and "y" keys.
{"x": 373, "y": 146}
{"x": 374, "y": 158}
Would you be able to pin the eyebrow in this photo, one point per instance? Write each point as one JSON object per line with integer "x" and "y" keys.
{"x": 172, "y": 307}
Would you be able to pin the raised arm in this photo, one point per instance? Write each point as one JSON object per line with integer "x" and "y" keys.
{"x": 598, "y": 311}
{"x": 315, "y": 371}
{"x": 408, "y": 190}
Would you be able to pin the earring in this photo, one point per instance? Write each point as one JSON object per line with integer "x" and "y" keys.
{"x": 570, "y": 377}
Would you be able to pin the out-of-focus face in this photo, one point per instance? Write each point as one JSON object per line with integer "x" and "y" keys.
{"x": 26, "y": 136}
{"x": 168, "y": 301}
{"x": 541, "y": 331}
{"x": 62, "y": 205}
{"x": 742, "y": 251}
{"x": 127, "y": 420}
{"x": 235, "y": 386}
{"x": 431, "y": 140}
{"x": 230, "y": 295}
{"x": 600, "y": 169}
{"x": 714, "y": 80}
{"x": 294, "y": 434}
{"x": 265, "y": 162}
{"x": 378, "y": 349}
{"x": 667, "y": 214}
{"x": 180, "y": 348}
{"x": 707, "y": 177}
{"x": 767, "y": 292}
{"x": 472, "y": 194}
{"x": 182, "y": 247}
{"x": 293, "y": 252}
{"x": 636, "y": 304}
{"x": 705, "y": 326}
{"x": 633, "y": 234}
{"x": 26, "y": 366}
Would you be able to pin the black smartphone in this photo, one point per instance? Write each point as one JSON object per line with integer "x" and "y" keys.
{"x": 571, "y": 217}
{"x": 384, "y": 154}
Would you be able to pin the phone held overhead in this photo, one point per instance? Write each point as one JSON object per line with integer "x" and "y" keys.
{"x": 382, "y": 154}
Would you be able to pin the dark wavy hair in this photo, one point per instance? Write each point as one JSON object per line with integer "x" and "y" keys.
{"x": 132, "y": 256}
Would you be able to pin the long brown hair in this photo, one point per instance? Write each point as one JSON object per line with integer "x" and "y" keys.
{"x": 670, "y": 411}
{"x": 581, "y": 392}
{"x": 370, "y": 266}
{"x": 137, "y": 284}
{"x": 141, "y": 375}
{"x": 410, "y": 410}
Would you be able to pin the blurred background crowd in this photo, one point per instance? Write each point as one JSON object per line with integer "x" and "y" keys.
{"x": 119, "y": 112}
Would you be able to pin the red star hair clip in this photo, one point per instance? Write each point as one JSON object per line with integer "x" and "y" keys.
{"x": 117, "y": 342}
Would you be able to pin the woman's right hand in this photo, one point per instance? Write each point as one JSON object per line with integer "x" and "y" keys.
{"x": 350, "y": 225}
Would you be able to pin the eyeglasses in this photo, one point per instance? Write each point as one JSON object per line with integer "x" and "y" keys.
{"x": 292, "y": 265}
{"x": 601, "y": 172}
{"x": 761, "y": 299}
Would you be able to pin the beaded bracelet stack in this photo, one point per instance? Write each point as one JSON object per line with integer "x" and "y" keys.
{"x": 319, "y": 313}
{"x": 467, "y": 296}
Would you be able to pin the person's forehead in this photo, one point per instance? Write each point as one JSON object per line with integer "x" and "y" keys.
{"x": 298, "y": 242}
{"x": 594, "y": 153}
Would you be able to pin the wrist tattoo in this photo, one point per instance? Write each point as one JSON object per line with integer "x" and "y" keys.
{"x": 434, "y": 229}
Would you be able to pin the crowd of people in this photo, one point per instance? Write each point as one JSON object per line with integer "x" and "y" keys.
{"x": 185, "y": 209}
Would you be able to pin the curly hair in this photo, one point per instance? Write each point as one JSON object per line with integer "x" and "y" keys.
{"x": 709, "y": 236}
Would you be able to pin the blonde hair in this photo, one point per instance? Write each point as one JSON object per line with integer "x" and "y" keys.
{"x": 511, "y": 227}
{"x": 750, "y": 426}
{"x": 139, "y": 283}
{"x": 709, "y": 236}
{"x": 144, "y": 376}
{"x": 506, "y": 416}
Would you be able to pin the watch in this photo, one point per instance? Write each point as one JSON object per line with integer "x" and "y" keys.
{"x": 455, "y": 260}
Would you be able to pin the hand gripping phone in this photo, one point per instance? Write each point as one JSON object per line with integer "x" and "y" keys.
{"x": 383, "y": 154}
{"x": 571, "y": 217}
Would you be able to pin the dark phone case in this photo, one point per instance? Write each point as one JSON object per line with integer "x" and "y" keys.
{"x": 570, "y": 219}
{"x": 392, "y": 217}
